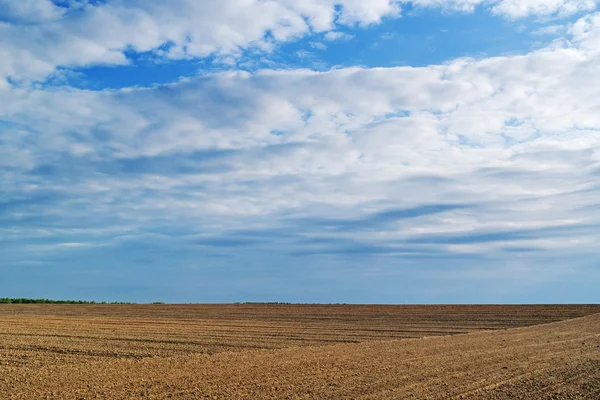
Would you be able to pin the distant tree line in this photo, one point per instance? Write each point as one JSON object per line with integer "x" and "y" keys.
{"x": 7, "y": 300}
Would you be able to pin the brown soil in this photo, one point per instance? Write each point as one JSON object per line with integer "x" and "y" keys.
{"x": 298, "y": 352}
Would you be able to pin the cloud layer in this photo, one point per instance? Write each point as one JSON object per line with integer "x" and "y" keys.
{"x": 509, "y": 133}
{"x": 38, "y": 37}
{"x": 491, "y": 159}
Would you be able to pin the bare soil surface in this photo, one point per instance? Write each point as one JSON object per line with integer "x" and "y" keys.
{"x": 299, "y": 352}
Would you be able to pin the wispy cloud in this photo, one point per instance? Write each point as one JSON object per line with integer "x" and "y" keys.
{"x": 334, "y": 35}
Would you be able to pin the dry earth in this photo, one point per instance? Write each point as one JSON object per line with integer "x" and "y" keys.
{"x": 299, "y": 352}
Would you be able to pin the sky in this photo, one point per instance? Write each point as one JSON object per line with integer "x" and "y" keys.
{"x": 337, "y": 151}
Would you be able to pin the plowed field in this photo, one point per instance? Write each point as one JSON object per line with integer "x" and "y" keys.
{"x": 299, "y": 352}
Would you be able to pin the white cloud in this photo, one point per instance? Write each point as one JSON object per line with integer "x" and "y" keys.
{"x": 29, "y": 11}
{"x": 319, "y": 161}
{"x": 514, "y": 8}
{"x": 524, "y": 8}
{"x": 517, "y": 137}
{"x": 364, "y": 13}
{"x": 304, "y": 54}
{"x": 552, "y": 30}
{"x": 318, "y": 45}
{"x": 188, "y": 28}
{"x": 459, "y": 5}
{"x": 39, "y": 36}
{"x": 586, "y": 32}
{"x": 335, "y": 35}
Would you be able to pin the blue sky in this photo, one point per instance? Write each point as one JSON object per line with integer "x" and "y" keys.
{"x": 318, "y": 151}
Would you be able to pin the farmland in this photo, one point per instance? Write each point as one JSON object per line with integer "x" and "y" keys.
{"x": 255, "y": 351}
